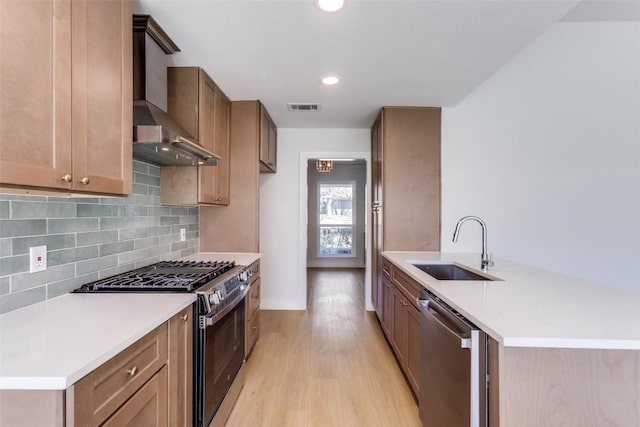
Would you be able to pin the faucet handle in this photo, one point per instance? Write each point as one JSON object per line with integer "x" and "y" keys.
{"x": 491, "y": 263}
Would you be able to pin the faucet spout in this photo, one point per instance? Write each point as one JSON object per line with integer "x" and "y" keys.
{"x": 486, "y": 261}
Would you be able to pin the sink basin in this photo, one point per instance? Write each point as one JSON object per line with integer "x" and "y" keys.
{"x": 449, "y": 272}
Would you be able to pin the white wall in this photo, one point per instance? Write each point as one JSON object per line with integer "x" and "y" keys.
{"x": 547, "y": 152}
{"x": 283, "y": 285}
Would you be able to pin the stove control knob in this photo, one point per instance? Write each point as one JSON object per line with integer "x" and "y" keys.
{"x": 221, "y": 294}
{"x": 213, "y": 299}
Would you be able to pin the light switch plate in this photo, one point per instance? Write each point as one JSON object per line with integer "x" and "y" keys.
{"x": 37, "y": 258}
{"x": 183, "y": 234}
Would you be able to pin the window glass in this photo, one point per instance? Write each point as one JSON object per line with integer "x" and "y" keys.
{"x": 335, "y": 213}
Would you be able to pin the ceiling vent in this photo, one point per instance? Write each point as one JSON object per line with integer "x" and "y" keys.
{"x": 303, "y": 107}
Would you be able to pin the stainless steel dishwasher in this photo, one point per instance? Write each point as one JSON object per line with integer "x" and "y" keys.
{"x": 453, "y": 385}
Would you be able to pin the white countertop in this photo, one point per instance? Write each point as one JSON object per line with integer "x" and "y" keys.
{"x": 52, "y": 344}
{"x": 241, "y": 258}
{"x": 532, "y": 307}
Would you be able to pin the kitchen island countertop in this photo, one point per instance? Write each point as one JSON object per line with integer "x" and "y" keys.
{"x": 531, "y": 307}
{"x": 52, "y": 344}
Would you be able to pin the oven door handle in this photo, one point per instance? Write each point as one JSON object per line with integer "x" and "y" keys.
{"x": 211, "y": 318}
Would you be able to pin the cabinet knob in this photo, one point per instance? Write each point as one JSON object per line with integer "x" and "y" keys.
{"x": 85, "y": 180}
{"x": 67, "y": 178}
{"x": 184, "y": 316}
{"x": 132, "y": 371}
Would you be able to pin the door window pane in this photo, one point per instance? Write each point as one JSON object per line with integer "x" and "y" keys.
{"x": 335, "y": 211}
{"x": 336, "y": 241}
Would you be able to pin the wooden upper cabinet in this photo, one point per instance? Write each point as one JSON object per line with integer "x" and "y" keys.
{"x": 268, "y": 143}
{"x": 197, "y": 104}
{"x": 409, "y": 177}
{"x": 102, "y": 108}
{"x": 35, "y": 93}
{"x": 65, "y": 95}
{"x": 235, "y": 228}
{"x": 222, "y": 148}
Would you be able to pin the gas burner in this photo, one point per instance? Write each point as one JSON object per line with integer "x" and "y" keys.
{"x": 169, "y": 276}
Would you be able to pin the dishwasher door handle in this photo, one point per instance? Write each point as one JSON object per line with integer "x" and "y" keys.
{"x": 428, "y": 310}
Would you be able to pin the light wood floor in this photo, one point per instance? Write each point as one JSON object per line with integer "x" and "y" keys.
{"x": 327, "y": 366}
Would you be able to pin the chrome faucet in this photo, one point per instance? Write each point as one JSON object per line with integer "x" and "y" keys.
{"x": 486, "y": 261}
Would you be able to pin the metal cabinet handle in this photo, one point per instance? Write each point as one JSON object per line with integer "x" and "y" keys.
{"x": 132, "y": 371}
{"x": 85, "y": 180}
{"x": 184, "y": 316}
{"x": 255, "y": 328}
{"x": 66, "y": 178}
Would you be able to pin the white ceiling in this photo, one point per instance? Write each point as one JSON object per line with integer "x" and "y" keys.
{"x": 393, "y": 52}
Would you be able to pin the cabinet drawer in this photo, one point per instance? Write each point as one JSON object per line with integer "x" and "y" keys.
{"x": 386, "y": 266}
{"x": 255, "y": 268}
{"x": 409, "y": 287}
{"x": 254, "y": 297}
{"x": 253, "y": 331}
{"x": 104, "y": 390}
{"x": 147, "y": 407}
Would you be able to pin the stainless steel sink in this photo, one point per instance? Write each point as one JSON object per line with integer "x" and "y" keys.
{"x": 449, "y": 272}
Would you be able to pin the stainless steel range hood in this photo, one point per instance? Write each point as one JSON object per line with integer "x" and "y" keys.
{"x": 157, "y": 138}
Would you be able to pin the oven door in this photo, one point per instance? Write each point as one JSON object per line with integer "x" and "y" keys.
{"x": 221, "y": 358}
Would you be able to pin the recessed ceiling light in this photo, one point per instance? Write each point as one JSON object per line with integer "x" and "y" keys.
{"x": 330, "y": 80}
{"x": 330, "y": 5}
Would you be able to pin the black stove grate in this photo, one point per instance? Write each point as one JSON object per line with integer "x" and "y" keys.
{"x": 170, "y": 276}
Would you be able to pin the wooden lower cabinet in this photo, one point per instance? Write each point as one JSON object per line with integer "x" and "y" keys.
{"x": 181, "y": 368}
{"x": 99, "y": 394}
{"x": 252, "y": 310}
{"x": 400, "y": 322}
{"x": 147, "y": 384}
{"x": 387, "y": 306}
{"x": 147, "y": 407}
{"x": 413, "y": 361}
{"x": 399, "y": 325}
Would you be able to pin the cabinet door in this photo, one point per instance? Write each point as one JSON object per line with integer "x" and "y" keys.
{"x": 181, "y": 368}
{"x": 399, "y": 327}
{"x": 273, "y": 146}
{"x": 387, "y": 306}
{"x": 147, "y": 407}
{"x": 101, "y": 96}
{"x": 35, "y": 93}
{"x": 222, "y": 149}
{"x": 207, "y": 138}
{"x": 412, "y": 360}
{"x": 268, "y": 142}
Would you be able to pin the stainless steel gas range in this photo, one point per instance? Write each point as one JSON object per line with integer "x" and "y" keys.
{"x": 219, "y": 325}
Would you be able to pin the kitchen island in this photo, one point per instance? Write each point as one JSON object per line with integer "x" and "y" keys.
{"x": 565, "y": 351}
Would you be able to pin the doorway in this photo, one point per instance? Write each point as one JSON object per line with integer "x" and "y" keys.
{"x": 336, "y": 213}
{"x": 335, "y": 241}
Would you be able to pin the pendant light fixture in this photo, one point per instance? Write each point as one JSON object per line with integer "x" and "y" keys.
{"x": 324, "y": 165}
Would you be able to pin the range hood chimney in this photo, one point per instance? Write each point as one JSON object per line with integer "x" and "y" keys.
{"x": 157, "y": 138}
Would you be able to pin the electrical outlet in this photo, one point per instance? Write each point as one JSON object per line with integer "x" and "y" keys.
{"x": 37, "y": 258}
{"x": 183, "y": 234}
